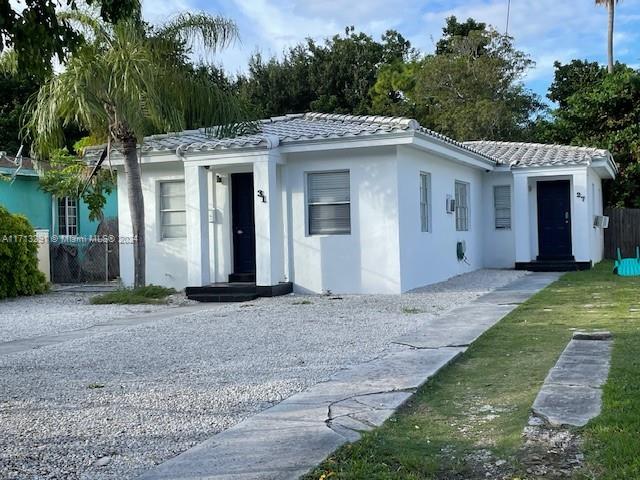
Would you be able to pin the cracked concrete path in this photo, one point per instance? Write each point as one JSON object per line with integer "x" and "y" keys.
{"x": 572, "y": 392}
{"x": 289, "y": 439}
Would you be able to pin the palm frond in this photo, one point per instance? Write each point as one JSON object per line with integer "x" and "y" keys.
{"x": 129, "y": 81}
{"x": 9, "y": 62}
{"x": 88, "y": 23}
{"x": 201, "y": 30}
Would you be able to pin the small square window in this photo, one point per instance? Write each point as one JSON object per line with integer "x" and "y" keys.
{"x": 329, "y": 203}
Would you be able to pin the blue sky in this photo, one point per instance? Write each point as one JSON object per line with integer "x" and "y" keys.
{"x": 546, "y": 29}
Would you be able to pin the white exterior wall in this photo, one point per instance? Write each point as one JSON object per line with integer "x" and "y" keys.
{"x": 587, "y": 243}
{"x": 596, "y": 207}
{"x": 386, "y": 251}
{"x": 499, "y": 247}
{"x": 367, "y": 260}
{"x": 429, "y": 257}
{"x": 166, "y": 260}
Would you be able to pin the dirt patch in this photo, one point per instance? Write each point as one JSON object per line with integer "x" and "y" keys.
{"x": 550, "y": 452}
{"x": 547, "y": 453}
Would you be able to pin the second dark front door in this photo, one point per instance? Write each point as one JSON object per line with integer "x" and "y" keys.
{"x": 242, "y": 219}
{"x": 554, "y": 220}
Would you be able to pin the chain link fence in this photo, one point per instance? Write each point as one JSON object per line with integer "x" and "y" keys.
{"x": 86, "y": 259}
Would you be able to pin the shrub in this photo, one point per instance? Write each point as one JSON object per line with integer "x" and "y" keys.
{"x": 19, "y": 274}
{"x": 151, "y": 294}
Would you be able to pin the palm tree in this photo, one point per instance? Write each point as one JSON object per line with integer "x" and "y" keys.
{"x": 611, "y": 6}
{"x": 127, "y": 80}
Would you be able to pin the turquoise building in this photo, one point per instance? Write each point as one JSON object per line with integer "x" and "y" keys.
{"x": 63, "y": 216}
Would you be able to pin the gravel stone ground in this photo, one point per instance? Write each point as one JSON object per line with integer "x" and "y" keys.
{"x": 55, "y": 312}
{"x": 112, "y": 405}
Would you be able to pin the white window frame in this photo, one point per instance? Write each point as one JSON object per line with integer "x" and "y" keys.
{"x": 70, "y": 227}
{"x": 425, "y": 202}
{"x": 161, "y": 210}
{"x": 309, "y": 204}
{"x": 462, "y": 221}
{"x": 496, "y": 208}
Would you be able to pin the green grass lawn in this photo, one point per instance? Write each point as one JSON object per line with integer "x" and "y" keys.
{"x": 479, "y": 405}
{"x": 150, "y": 294}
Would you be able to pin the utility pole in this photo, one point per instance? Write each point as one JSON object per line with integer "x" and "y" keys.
{"x": 506, "y": 30}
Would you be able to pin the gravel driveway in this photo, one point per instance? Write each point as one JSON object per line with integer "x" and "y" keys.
{"x": 111, "y": 405}
{"x": 56, "y": 312}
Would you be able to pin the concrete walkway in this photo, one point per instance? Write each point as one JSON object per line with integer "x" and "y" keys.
{"x": 571, "y": 394}
{"x": 289, "y": 439}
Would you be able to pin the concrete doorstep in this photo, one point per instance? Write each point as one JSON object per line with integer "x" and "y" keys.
{"x": 291, "y": 438}
{"x": 572, "y": 392}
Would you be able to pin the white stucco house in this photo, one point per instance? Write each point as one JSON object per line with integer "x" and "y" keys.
{"x": 353, "y": 204}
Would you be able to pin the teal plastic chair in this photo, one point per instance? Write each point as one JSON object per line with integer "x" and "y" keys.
{"x": 628, "y": 267}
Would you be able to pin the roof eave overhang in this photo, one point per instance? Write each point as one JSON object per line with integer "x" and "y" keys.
{"x": 23, "y": 172}
{"x": 544, "y": 170}
{"x": 410, "y": 138}
{"x": 605, "y": 167}
{"x": 452, "y": 151}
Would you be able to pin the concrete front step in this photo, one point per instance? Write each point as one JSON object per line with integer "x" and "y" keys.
{"x": 223, "y": 297}
{"x": 553, "y": 266}
{"x": 236, "y": 291}
{"x": 222, "y": 288}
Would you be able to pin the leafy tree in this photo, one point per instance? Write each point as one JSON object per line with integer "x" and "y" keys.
{"x": 15, "y": 90}
{"x": 333, "y": 76}
{"x": 126, "y": 80}
{"x": 605, "y": 113}
{"x": 275, "y": 87}
{"x": 454, "y": 30}
{"x": 344, "y": 69}
{"x": 472, "y": 90}
{"x": 37, "y": 33}
{"x": 392, "y": 94}
{"x": 69, "y": 176}
{"x": 573, "y": 77}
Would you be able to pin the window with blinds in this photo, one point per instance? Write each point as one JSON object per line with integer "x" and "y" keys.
{"x": 173, "y": 217}
{"x": 329, "y": 203}
{"x": 425, "y": 202}
{"x": 502, "y": 206}
{"x": 462, "y": 206}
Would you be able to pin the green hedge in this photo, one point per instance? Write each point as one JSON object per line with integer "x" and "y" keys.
{"x": 19, "y": 274}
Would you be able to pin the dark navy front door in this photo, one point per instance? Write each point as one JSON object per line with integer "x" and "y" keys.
{"x": 554, "y": 220}
{"x": 242, "y": 219}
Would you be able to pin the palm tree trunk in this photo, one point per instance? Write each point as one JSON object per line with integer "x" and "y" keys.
{"x": 136, "y": 207}
{"x": 611, "y": 6}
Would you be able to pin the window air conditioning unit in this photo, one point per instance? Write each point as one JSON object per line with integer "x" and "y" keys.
{"x": 451, "y": 204}
{"x": 601, "y": 221}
